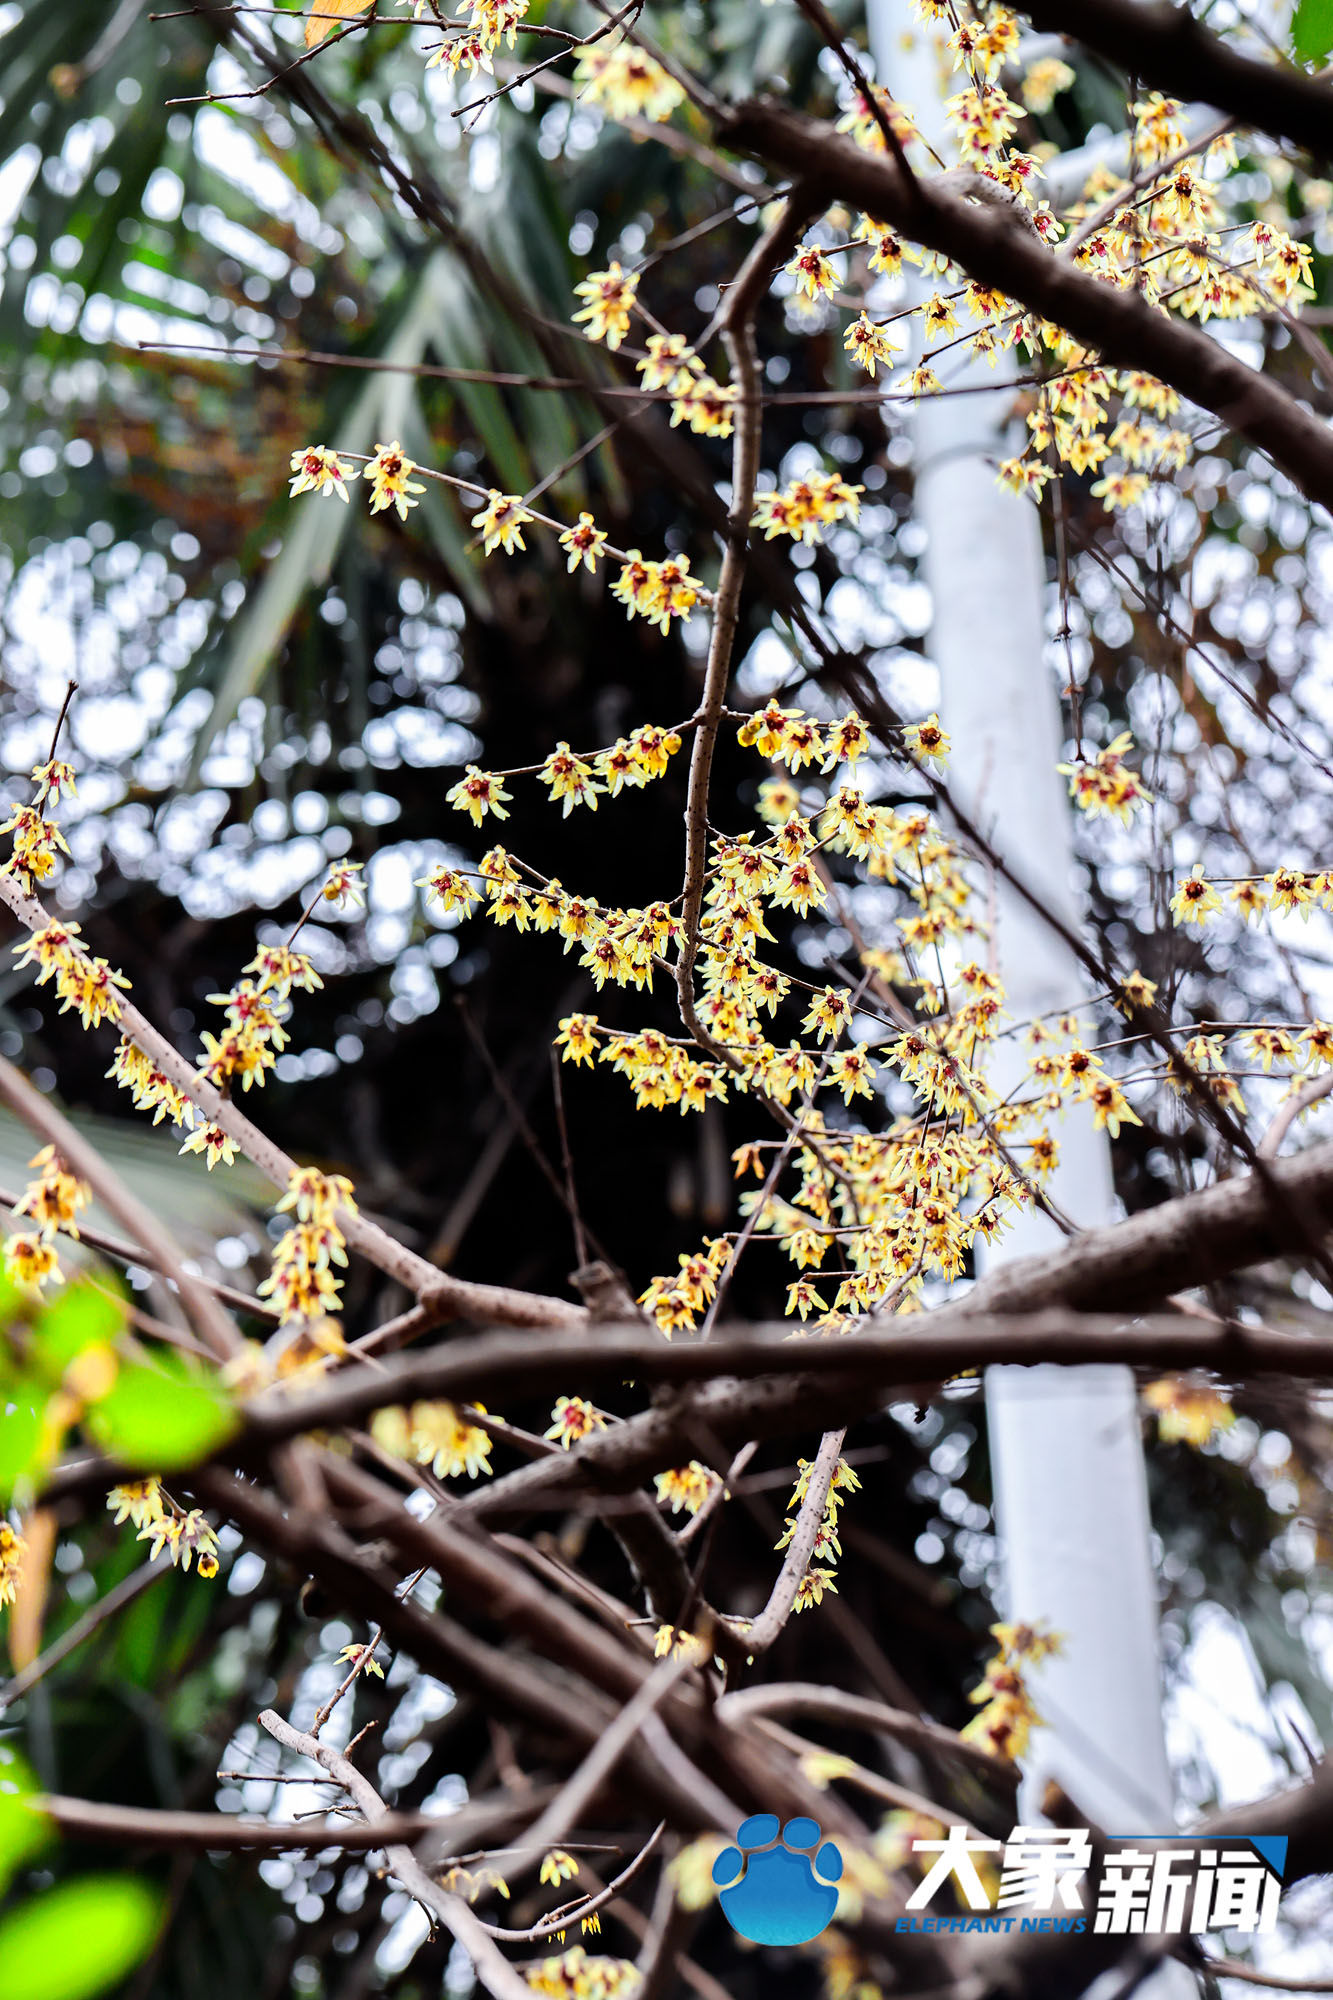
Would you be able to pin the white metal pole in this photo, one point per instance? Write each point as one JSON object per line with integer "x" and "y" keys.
{"x": 1069, "y": 1480}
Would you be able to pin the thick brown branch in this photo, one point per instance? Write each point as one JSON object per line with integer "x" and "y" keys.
{"x": 1116, "y": 324}
{"x": 1165, "y": 45}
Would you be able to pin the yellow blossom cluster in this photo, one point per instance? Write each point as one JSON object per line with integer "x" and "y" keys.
{"x": 303, "y": 1283}
{"x": 821, "y": 1569}
{"x": 682, "y": 1645}
{"x": 53, "y": 1201}
{"x": 1106, "y": 784}
{"x": 1164, "y": 235}
{"x": 435, "y": 1434}
{"x": 182, "y": 1531}
{"x": 805, "y": 507}
{"x": 901, "y": 1204}
{"x": 690, "y": 1289}
{"x": 37, "y": 839}
{"x": 1188, "y": 1412}
{"x": 657, "y": 591}
{"x": 576, "y": 1976}
{"x": 1286, "y": 889}
{"x": 686, "y": 1487}
{"x": 82, "y": 982}
{"x": 256, "y": 1010}
{"x": 486, "y": 23}
{"x": 1006, "y": 1716}
{"x": 627, "y": 82}
{"x": 13, "y": 1549}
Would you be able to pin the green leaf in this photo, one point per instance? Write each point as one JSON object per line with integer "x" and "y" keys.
{"x": 23, "y": 1832}
{"x": 79, "y": 1939}
{"x": 80, "y": 1317}
{"x": 22, "y": 1458}
{"x": 160, "y": 1417}
{"x": 1312, "y": 30}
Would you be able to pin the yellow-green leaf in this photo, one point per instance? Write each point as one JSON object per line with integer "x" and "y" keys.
{"x": 78, "y": 1940}
{"x": 159, "y": 1417}
{"x": 23, "y": 1831}
{"x": 326, "y": 14}
{"x": 1312, "y": 30}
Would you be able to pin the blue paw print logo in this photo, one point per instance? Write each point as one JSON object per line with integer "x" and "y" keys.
{"x": 778, "y": 1892}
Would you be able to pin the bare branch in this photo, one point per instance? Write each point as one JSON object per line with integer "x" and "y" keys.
{"x": 493, "y": 1969}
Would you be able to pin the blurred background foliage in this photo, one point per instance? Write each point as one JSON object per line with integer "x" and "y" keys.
{"x": 265, "y": 686}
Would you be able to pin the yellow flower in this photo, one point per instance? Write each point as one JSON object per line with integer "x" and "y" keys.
{"x": 570, "y": 779}
{"x": 1044, "y": 81}
{"x": 583, "y": 543}
{"x": 316, "y": 469}
{"x": 478, "y": 793}
{"x": 610, "y": 300}
{"x": 453, "y": 890}
{"x": 812, "y": 271}
{"x": 707, "y": 406}
{"x": 37, "y": 841}
{"x": 363, "y": 1659}
{"x": 391, "y": 483}
{"x": 868, "y": 344}
{"x": 435, "y": 1434}
{"x": 344, "y": 885}
{"x": 1026, "y": 1642}
{"x": 1107, "y": 784}
{"x": 938, "y": 316}
{"x": 810, "y": 1590}
{"x": 674, "y": 1639}
{"x": 31, "y": 1259}
{"x": 1187, "y": 1412}
{"x": 502, "y": 521}
{"x": 1194, "y": 898}
{"x": 1117, "y": 490}
{"x": 572, "y": 1419}
{"x": 669, "y": 362}
{"x": 1292, "y": 890}
{"x": 213, "y": 1142}
{"x": 1250, "y": 898}
{"x": 578, "y": 1038}
{"x": 51, "y": 779}
{"x": 139, "y": 1501}
{"x": 1110, "y": 1107}
{"x": 691, "y": 1872}
{"x": 927, "y": 742}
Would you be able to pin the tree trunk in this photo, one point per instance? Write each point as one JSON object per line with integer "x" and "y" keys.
{"x": 1070, "y": 1491}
